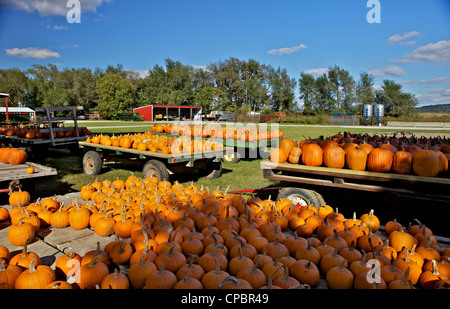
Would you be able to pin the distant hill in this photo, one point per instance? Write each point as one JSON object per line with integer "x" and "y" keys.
{"x": 439, "y": 108}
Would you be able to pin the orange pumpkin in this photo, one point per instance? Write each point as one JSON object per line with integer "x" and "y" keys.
{"x": 312, "y": 154}
{"x": 380, "y": 160}
{"x": 278, "y": 155}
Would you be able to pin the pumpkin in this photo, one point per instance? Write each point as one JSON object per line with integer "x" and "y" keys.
{"x": 17, "y": 156}
{"x": 403, "y": 283}
{"x": 190, "y": 269}
{"x": 371, "y": 220}
{"x": 24, "y": 258}
{"x": 392, "y": 225}
{"x": 188, "y": 283}
{"x": 59, "y": 285}
{"x": 390, "y": 273}
{"x": 312, "y": 154}
{"x": 119, "y": 251}
{"x": 7, "y": 276}
{"x": 172, "y": 260}
{"x": 402, "y": 163}
{"x": 35, "y": 277}
{"x": 115, "y": 281}
{"x": 294, "y": 155}
{"x": 232, "y": 282}
{"x": 356, "y": 158}
{"x": 79, "y": 217}
{"x": 19, "y": 198}
{"x": 308, "y": 253}
{"x": 425, "y": 163}
{"x": 380, "y": 160}
{"x": 30, "y": 170}
{"x": 278, "y": 155}
{"x": 429, "y": 278}
{"x": 103, "y": 256}
{"x": 59, "y": 218}
{"x": 369, "y": 280}
{"x": 287, "y": 144}
{"x": 90, "y": 275}
{"x": 18, "y": 234}
{"x": 330, "y": 260}
{"x": 4, "y": 214}
{"x": 401, "y": 239}
{"x": 306, "y": 272}
{"x": 138, "y": 272}
{"x": 414, "y": 269}
{"x": 254, "y": 275}
{"x": 334, "y": 157}
{"x": 104, "y": 226}
{"x": 339, "y": 277}
{"x": 66, "y": 264}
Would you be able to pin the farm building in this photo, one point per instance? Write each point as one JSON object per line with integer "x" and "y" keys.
{"x": 167, "y": 112}
{"x": 6, "y": 112}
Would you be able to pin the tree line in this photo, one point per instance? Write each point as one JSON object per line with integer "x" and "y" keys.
{"x": 227, "y": 85}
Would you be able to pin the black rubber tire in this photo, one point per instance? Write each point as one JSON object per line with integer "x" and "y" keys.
{"x": 215, "y": 171}
{"x": 92, "y": 163}
{"x": 155, "y": 168}
{"x": 300, "y": 196}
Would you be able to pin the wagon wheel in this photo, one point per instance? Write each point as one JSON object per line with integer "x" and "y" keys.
{"x": 155, "y": 168}
{"x": 214, "y": 170}
{"x": 234, "y": 157}
{"x": 300, "y": 196}
{"x": 92, "y": 163}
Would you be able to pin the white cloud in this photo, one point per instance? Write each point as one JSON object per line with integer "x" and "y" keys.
{"x": 435, "y": 96}
{"x": 32, "y": 52}
{"x": 407, "y": 43}
{"x": 287, "y": 50}
{"x": 317, "y": 72}
{"x": 57, "y": 27}
{"x": 433, "y": 52}
{"x": 51, "y": 7}
{"x": 402, "y": 37}
{"x": 391, "y": 70}
{"x": 437, "y": 80}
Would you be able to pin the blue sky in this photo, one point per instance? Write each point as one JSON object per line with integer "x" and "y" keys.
{"x": 411, "y": 44}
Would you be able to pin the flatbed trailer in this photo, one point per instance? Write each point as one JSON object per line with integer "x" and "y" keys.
{"x": 155, "y": 164}
{"x": 52, "y": 125}
{"x": 18, "y": 173}
{"x": 411, "y": 196}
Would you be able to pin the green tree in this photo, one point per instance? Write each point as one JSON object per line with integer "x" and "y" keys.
{"x": 281, "y": 88}
{"x": 364, "y": 90}
{"x": 348, "y": 86}
{"x": 397, "y": 103}
{"x": 115, "y": 95}
{"x": 324, "y": 95}
{"x": 43, "y": 90}
{"x": 170, "y": 86}
{"x": 13, "y": 82}
{"x": 307, "y": 92}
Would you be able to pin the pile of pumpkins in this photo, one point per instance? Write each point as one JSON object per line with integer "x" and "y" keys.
{"x": 14, "y": 156}
{"x": 218, "y": 132}
{"x": 171, "y": 236}
{"x": 33, "y": 132}
{"x": 401, "y": 155}
{"x": 152, "y": 142}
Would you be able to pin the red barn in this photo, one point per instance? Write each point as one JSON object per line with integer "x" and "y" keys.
{"x": 167, "y": 112}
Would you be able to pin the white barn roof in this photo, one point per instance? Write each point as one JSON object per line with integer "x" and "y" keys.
{"x": 16, "y": 110}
